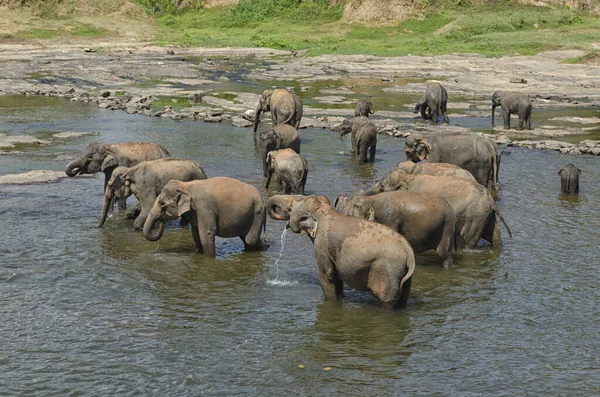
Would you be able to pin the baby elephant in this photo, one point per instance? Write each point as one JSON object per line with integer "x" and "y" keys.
{"x": 569, "y": 179}
{"x": 363, "y": 138}
{"x": 146, "y": 180}
{"x": 435, "y": 99}
{"x": 290, "y": 168}
{"x": 512, "y": 103}
{"x": 363, "y": 108}
{"x": 219, "y": 206}
{"x": 425, "y": 220}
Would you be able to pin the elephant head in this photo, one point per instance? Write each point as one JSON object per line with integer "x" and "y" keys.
{"x": 96, "y": 157}
{"x": 280, "y": 206}
{"x": 354, "y": 206}
{"x": 496, "y": 101}
{"x": 395, "y": 180}
{"x": 268, "y": 141}
{"x": 264, "y": 105}
{"x": 345, "y": 127}
{"x": 305, "y": 213}
{"x": 417, "y": 148}
{"x": 173, "y": 201}
{"x": 120, "y": 186}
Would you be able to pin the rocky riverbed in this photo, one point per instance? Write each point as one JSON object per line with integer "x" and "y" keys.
{"x": 223, "y": 85}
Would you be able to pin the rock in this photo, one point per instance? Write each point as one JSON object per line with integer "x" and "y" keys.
{"x": 89, "y": 49}
{"x": 580, "y": 120}
{"x": 518, "y": 80}
{"x": 68, "y": 135}
{"x": 35, "y": 176}
{"x": 104, "y": 94}
{"x": 10, "y": 141}
{"x": 196, "y": 97}
{"x": 240, "y": 122}
{"x": 249, "y": 115}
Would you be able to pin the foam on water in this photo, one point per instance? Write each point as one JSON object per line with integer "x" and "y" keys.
{"x": 276, "y": 280}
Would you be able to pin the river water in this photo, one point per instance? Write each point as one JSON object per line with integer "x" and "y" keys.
{"x": 89, "y": 311}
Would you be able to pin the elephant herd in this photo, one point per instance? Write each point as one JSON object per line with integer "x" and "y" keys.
{"x": 441, "y": 198}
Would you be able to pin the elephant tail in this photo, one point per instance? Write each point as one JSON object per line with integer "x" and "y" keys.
{"x": 264, "y": 225}
{"x": 503, "y": 221}
{"x": 410, "y": 264}
{"x": 494, "y": 172}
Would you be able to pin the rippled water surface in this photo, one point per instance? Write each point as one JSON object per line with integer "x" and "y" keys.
{"x": 88, "y": 311}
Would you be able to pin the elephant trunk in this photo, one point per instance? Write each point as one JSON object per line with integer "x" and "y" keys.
{"x": 279, "y": 206}
{"x": 257, "y": 114}
{"x": 153, "y": 217}
{"x": 74, "y": 168}
{"x": 107, "y": 205}
{"x": 493, "y": 111}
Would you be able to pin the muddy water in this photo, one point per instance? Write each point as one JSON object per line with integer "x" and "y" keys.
{"x": 88, "y": 311}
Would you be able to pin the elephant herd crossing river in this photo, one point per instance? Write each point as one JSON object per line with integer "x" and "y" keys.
{"x": 366, "y": 239}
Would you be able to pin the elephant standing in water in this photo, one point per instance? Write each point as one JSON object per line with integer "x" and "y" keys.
{"x": 219, "y": 206}
{"x": 475, "y": 153}
{"x": 425, "y": 220}
{"x": 146, "y": 180}
{"x": 435, "y": 169}
{"x": 436, "y": 100}
{"x": 363, "y": 108}
{"x": 285, "y": 108}
{"x": 512, "y": 103}
{"x": 98, "y": 157}
{"x": 365, "y": 255}
{"x": 290, "y": 168}
{"x": 569, "y": 179}
{"x": 474, "y": 206}
{"x": 281, "y": 136}
{"x": 363, "y": 137}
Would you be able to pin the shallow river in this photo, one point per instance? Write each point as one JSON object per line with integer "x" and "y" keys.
{"x": 89, "y": 311}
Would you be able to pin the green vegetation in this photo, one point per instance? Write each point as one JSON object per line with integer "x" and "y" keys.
{"x": 589, "y": 57}
{"x": 68, "y": 29}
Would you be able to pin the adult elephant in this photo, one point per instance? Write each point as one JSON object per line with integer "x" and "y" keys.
{"x": 569, "y": 179}
{"x": 146, "y": 180}
{"x": 281, "y": 136}
{"x": 285, "y": 108}
{"x": 426, "y": 221}
{"x": 474, "y": 206}
{"x": 436, "y": 169}
{"x": 290, "y": 169}
{"x": 475, "y": 153}
{"x": 436, "y": 100}
{"x": 363, "y": 108}
{"x": 365, "y": 255}
{"x": 363, "y": 137}
{"x": 512, "y": 103}
{"x": 219, "y": 206}
{"x": 98, "y": 157}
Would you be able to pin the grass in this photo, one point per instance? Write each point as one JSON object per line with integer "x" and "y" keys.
{"x": 69, "y": 28}
{"x": 312, "y": 26}
{"x": 593, "y": 56}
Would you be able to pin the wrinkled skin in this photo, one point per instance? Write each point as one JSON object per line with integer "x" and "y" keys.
{"x": 512, "y": 103}
{"x": 473, "y": 205}
{"x": 219, "y": 206}
{"x": 436, "y": 169}
{"x": 279, "y": 137}
{"x": 98, "y": 157}
{"x": 569, "y": 179}
{"x": 290, "y": 169}
{"x": 475, "y": 153}
{"x": 426, "y": 221}
{"x": 285, "y": 108}
{"x": 365, "y": 255}
{"x": 363, "y": 137}
{"x": 146, "y": 180}
{"x": 435, "y": 99}
{"x": 363, "y": 108}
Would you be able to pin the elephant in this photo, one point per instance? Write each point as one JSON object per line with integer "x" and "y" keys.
{"x": 425, "y": 220}
{"x": 436, "y": 169}
{"x": 290, "y": 168}
{"x": 285, "y": 108}
{"x": 569, "y": 179}
{"x": 363, "y": 137}
{"x": 281, "y": 136}
{"x": 512, "y": 103}
{"x": 106, "y": 157}
{"x": 219, "y": 206}
{"x": 363, "y": 108}
{"x": 365, "y": 255}
{"x": 435, "y": 99}
{"x": 475, "y": 153}
{"x": 474, "y": 206}
{"x": 146, "y": 180}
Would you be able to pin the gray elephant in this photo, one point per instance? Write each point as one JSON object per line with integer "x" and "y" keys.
{"x": 219, "y": 206}
{"x": 285, "y": 108}
{"x": 475, "y": 153}
{"x": 363, "y": 137}
{"x": 363, "y": 108}
{"x": 473, "y": 205}
{"x": 281, "y": 136}
{"x": 436, "y": 100}
{"x": 426, "y": 221}
{"x": 512, "y": 103}
{"x": 290, "y": 168}
{"x": 98, "y": 157}
{"x": 436, "y": 169}
{"x": 146, "y": 180}
{"x": 365, "y": 255}
{"x": 569, "y": 179}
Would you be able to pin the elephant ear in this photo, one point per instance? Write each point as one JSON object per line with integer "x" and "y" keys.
{"x": 109, "y": 161}
{"x": 184, "y": 202}
{"x": 422, "y": 149}
{"x": 310, "y": 225}
{"x": 371, "y": 214}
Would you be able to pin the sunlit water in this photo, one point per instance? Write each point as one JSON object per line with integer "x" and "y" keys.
{"x": 89, "y": 311}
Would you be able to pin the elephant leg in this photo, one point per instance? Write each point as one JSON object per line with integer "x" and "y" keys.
{"x": 521, "y": 121}
{"x": 496, "y": 239}
{"x": 252, "y": 241}
{"x": 445, "y": 113}
{"x": 434, "y": 114}
{"x": 207, "y": 230}
{"x": 506, "y": 117}
{"x": 197, "y": 241}
{"x": 288, "y": 188}
{"x": 122, "y": 203}
{"x": 528, "y": 121}
{"x": 133, "y": 211}
{"x": 302, "y": 183}
{"x": 138, "y": 223}
{"x": 373, "y": 149}
{"x": 333, "y": 287}
{"x": 353, "y": 140}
